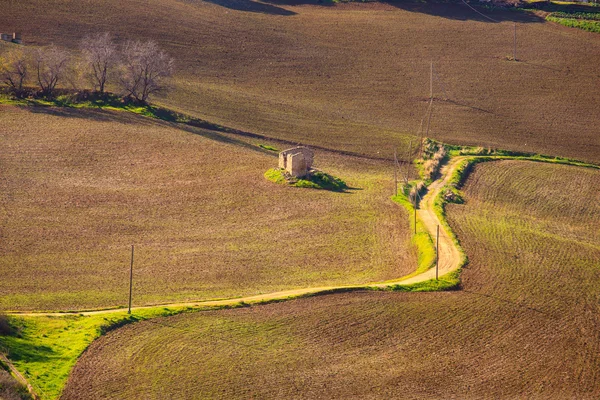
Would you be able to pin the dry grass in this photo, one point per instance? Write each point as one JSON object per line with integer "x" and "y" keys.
{"x": 10, "y": 389}
{"x": 356, "y": 76}
{"x": 79, "y": 187}
{"x": 526, "y": 325}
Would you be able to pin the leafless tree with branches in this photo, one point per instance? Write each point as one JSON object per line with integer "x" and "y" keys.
{"x": 14, "y": 69}
{"x": 51, "y": 66}
{"x": 100, "y": 57}
{"x": 145, "y": 68}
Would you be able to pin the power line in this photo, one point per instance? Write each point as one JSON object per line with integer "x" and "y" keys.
{"x": 480, "y": 13}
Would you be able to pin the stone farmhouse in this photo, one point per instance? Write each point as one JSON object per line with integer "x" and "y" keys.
{"x": 297, "y": 161}
{"x": 14, "y": 37}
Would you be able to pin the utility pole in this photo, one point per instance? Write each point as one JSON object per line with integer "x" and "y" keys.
{"x": 437, "y": 252}
{"x": 515, "y": 44}
{"x": 395, "y": 173}
{"x": 429, "y": 119}
{"x": 431, "y": 81}
{"x": 429, "y": 109}
{"x": 408, "y": 160}
{"x": 415, "y": 207}
{"x": 130, "y": 280}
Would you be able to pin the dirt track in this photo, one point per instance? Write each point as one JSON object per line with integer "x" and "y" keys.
{"x": 449, "y": 255}
{"x": 449, "y": 259}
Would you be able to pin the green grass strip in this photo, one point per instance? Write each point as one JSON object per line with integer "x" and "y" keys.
{"x": 421, "y": 239}
{"x": 590, "y": 26}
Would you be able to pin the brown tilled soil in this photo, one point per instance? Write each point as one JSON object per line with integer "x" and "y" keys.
{"x": 77, "y": 188}
{"x": 355, "y": 76}
{"x": 525, "y": 324}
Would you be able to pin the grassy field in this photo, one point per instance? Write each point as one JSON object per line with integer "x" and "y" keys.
{"x": 356, "y": 76}
{"x": 79, "y": 187}
{"x": 526, "y": 323}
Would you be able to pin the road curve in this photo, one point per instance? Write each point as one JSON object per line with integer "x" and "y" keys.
{"x": 449, "y": 260}
{"x": 449, "y": 254}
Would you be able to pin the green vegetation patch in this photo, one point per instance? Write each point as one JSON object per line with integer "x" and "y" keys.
{"x": 47, "y": 347}
{"x": 450, "y": 281}
{"x": 267, "y": 147}
{"x": 592, "y": 16}
{"x": 275, "y": 175}
{"x": 590, "y": 26}
{"x": 315, "y": 180}
{"x": 421, "y": 240}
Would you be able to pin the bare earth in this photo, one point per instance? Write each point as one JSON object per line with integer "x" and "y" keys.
{"x": 449, "y": 259}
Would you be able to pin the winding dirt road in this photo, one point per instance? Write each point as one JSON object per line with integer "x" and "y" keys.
{"x": 449, "y": 260}
{"x": 449, "y": 255}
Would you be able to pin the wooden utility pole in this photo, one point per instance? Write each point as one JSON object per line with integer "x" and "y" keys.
{"x": 428, "y": 110}
{"x": 515, "y": 44}
{"x": 431, "y": 81}
{"x": 408, "y": 160}
{"x": 429, "y": 118}
{"x": 415, "y": 207}
{"x": 395, "y": 173}
{"x": 130, "y": 280}
{"x": 437, "y": 252}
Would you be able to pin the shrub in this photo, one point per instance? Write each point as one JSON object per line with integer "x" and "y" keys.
{"x": 6, "y": 329}
{"x": 416, "y": 191}
{"x": 11, "y": 389}
{"x": 326, "y": 181}
{"x": 431, "y": 167}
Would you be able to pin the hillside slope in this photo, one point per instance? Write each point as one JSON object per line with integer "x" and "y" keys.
{"x": 355, "y": 76}
{"x": 79, "y": 187}
{"x": 526, "y": 323}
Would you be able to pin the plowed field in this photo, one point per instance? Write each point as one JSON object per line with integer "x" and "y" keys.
{"x": 526, "y": 323}
{"x": 355, "y": 76}
{"x": 77, "y": 188}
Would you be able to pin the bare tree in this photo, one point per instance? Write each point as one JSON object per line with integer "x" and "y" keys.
{"x": 100, "y": 57}
{"x": 51, "y": 66}
{"x": 145, "y": 68}
{"x": 14, "y": 69}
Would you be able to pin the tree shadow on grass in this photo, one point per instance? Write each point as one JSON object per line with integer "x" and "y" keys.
{"x": 203, "y": 128}
{"x": 89, "y": 114}
{"x": 24, "y": 350}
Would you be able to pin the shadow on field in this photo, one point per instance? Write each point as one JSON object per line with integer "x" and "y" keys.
{"x": 454, "y": 9}
{"x": 216, "y": 136}
{"x": 459, "y": 11}
{"x": 89, "y": 114}
{"x": 252, "y": 6}
{"x": 26, "y": 351}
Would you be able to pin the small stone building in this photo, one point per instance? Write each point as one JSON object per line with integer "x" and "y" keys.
{"x": 297, "y": 161}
